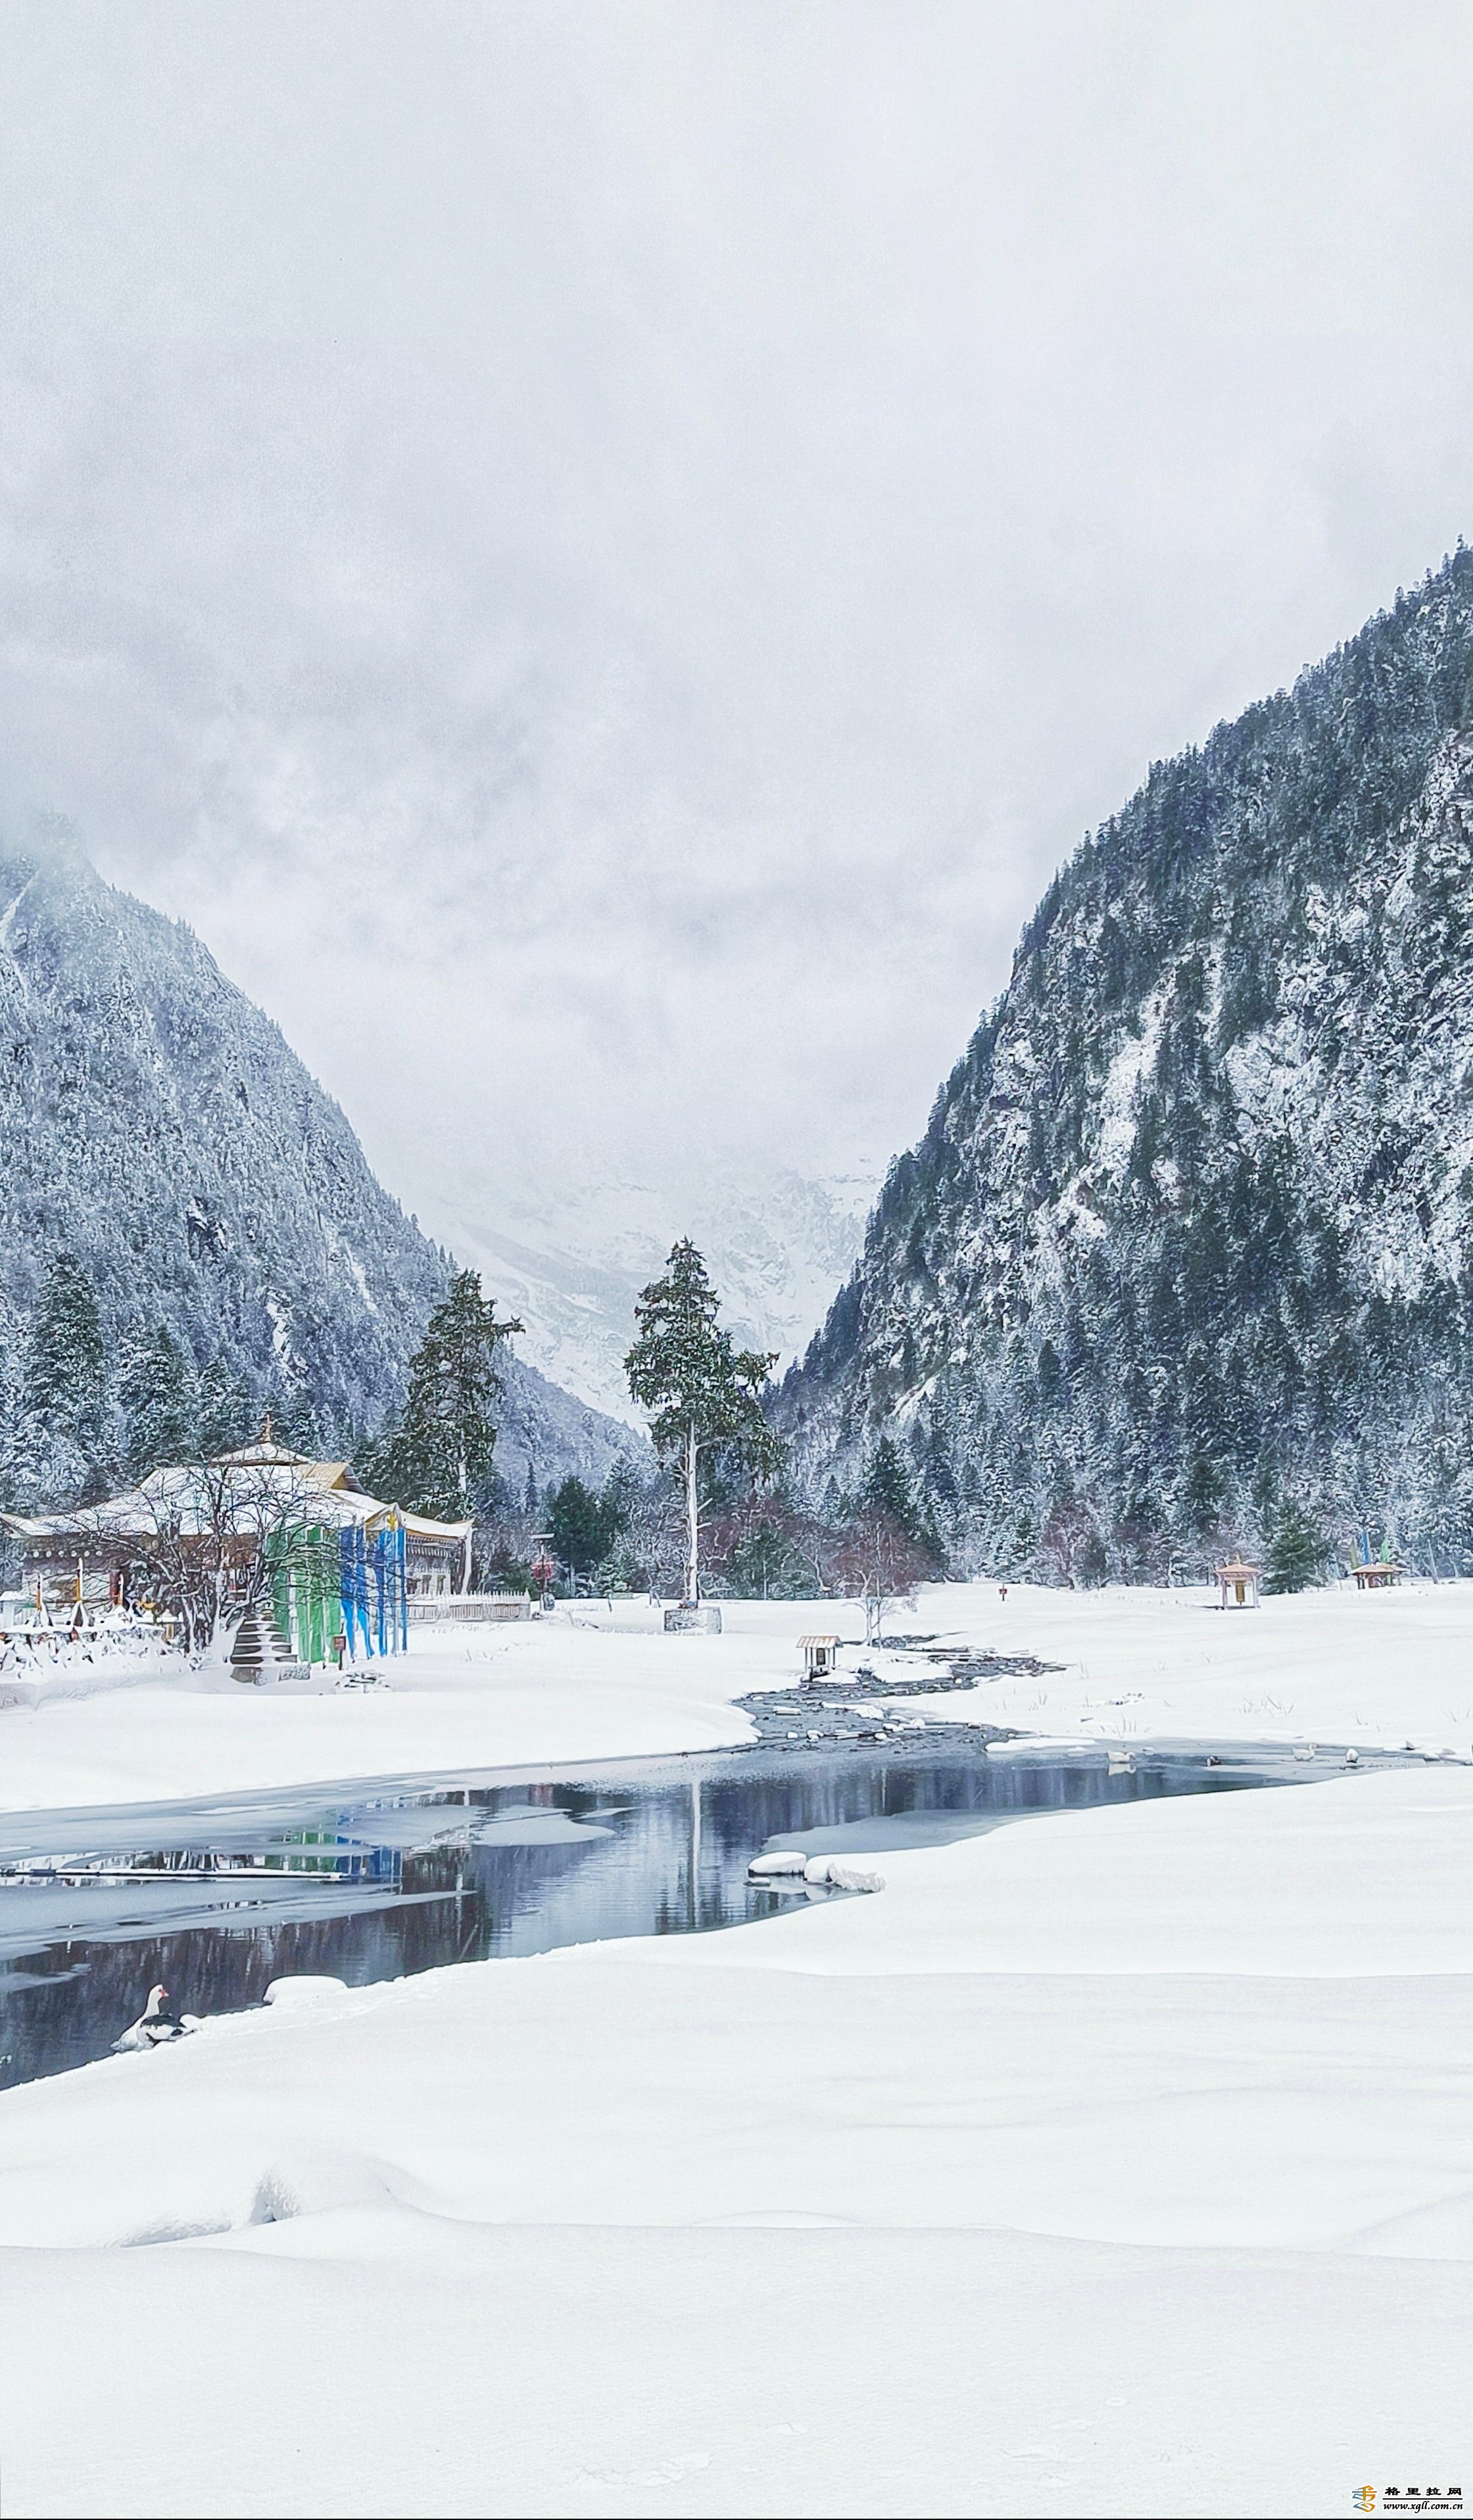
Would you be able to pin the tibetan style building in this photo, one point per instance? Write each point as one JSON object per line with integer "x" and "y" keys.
{"x": 89, "y": 1552}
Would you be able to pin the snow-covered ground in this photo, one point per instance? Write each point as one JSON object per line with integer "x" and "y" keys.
{"x": 1385, "y": 1668}
{"x": 1118, "y": 2165}
{"x": 1333, "y": 1666}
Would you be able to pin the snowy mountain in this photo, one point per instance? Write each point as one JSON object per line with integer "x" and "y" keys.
{"x": 570, "y": 1265}
{"x": 1190, "y": 1233}
{"x": 157, "y": 1127}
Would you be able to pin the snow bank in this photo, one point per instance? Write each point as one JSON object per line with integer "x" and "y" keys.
{"x": 1369, "y": 1875}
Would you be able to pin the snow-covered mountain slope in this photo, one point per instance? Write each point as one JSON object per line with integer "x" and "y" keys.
{"x": 571, "y": 1264}
{"x": 1192, "y": 1228}
{"x": 156, "y": 1126}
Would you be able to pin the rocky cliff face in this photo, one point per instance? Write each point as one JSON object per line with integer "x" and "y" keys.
{"x": 1192, "y": 1228}
{"x": 155, "y": 1125}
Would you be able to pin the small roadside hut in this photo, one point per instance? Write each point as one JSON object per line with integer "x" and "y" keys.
{"x": 1374, "y": 1575}
{"x": 821, "y": 1656}
{"x": 1239, "y": 1585}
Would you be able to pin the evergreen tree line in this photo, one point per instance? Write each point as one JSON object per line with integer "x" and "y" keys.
{"x": 758, "y": 1542}
{"x": 82, "y": 1414}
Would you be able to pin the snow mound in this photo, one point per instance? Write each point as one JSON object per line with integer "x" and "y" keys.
{"x": 323, "y": 2183}
{"x": 303, "y": 1993}
{"x": 850, "y": 1877}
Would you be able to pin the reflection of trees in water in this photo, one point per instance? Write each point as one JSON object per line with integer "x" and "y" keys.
{"x": 675, "y": 1858}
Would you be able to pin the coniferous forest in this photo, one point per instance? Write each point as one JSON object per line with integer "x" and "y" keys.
{"x": 1186, "y": 1254}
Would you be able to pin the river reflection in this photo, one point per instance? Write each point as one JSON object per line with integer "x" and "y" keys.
{"x": 216, "y": 1897}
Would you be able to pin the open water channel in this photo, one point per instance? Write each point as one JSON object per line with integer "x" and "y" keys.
{"x": 215, "y": 1898}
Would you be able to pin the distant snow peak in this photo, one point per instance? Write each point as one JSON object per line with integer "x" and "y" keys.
{"x": 572, "y": 1261}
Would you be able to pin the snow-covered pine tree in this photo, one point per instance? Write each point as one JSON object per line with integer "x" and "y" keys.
{"x": 64, "y": 1375}
{"x": 158, "y": 1402}
{"x": 1297, "y": 1552}
{"x": 295, "y": 1419}
{"x": 702, "y": 1393}
{"x": 225, "y": 1417}
{"x": 440, "y": 1459}
{"x": 583, "y": 1527}
{"x": 764, "y": 1566}
{"x": 888, "y": 1488}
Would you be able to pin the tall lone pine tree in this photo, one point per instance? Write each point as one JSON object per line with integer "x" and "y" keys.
{"x": 702, "y": 1393}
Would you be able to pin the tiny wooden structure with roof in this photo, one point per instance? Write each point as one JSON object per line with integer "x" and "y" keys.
{"x": 1372, "y": 1575}
{"x": 1239, "y": 1584}
{"x": 820, "y": 1655}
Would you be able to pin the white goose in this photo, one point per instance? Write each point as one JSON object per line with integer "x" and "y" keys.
{"x": 154, "y": 2026}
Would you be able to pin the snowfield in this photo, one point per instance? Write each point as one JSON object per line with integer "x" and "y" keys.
{"x": 1121, "y": 2164}
{"x": 1334, "y": 1666}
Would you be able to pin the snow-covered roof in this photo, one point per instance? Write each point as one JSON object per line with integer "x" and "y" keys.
{"x": 250, "y": 1456}
{"x": 263, "y": 1478}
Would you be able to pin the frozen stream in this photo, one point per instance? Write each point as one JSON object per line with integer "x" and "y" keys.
{"x": 217, "y": 1897}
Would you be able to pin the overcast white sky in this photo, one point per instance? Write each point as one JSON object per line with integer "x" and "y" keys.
{"x": 601, "y": 553}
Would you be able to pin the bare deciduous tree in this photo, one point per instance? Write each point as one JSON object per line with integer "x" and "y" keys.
{"x": 204, "y": 1553}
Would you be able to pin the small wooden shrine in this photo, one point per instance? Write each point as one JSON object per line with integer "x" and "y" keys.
{"x": 1375, "y": 1574}
{"x": 820, "y": 1655}
{"x": 1239, "y": 1585}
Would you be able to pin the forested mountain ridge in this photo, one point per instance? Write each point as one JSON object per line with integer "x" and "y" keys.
{"x": 1190, "y": 1231}
{"x": 156, "y": 1129}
